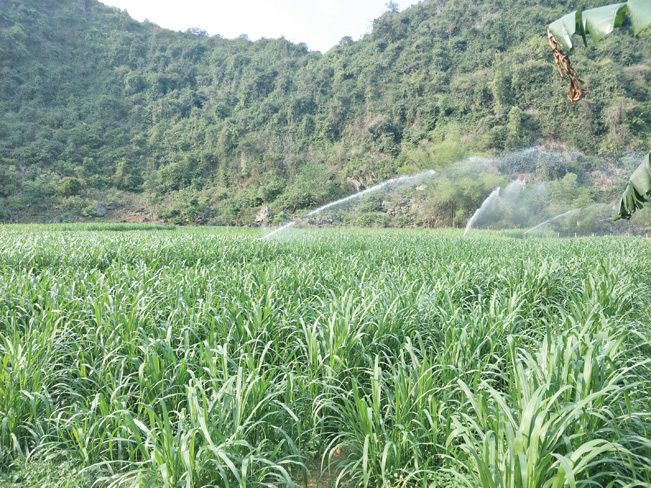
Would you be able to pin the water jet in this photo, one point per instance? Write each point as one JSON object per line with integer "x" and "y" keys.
{"x": 552, "y": 219}
{"x": 494, "y": 194}
{"x": 392, "y": 182}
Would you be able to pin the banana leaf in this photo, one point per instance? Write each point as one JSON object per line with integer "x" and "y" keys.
{"x": 637, "y": 192}
{"x": 565, "y": 27}
{"x": 601, "y": 21}
{"x": 640, "y": 13}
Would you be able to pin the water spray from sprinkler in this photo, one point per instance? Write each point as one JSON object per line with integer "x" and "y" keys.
{"x": 494, "y": 194}
{"x": 552, "y": 219}
{"x": 384, "y": 184}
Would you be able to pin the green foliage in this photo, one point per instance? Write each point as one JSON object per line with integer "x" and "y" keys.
{"x": 68, "y": 186}
{"x": 529, "y": 436}
{"x": 638, "y": 190}
{"x": 56, "y": 471}
{"x": 89, "y": 93}
{"x": 567, "y": 193}
{"x": 517, "y": 135}
{"x": 150, "y": 356}
{"x": 313, "y": 185}
{"x": 600, "y": 21}
{"x": 127, "y": 177}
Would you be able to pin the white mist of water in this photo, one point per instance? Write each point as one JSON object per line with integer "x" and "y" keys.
{"x": 497, "y": 160}
{"x": 392, "y": 182}
{"x": 516, "y": 186}
{"x": 279, "y": 229}
{"x": 552, "y": 219}
{"x": 494, "y": 194}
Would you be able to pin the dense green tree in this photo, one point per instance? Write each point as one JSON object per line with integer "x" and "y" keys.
{"x": 127, "y": 107}
{"x": 68, "y": 187}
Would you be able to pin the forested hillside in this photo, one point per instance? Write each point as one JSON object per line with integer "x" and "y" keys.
{"x": 102, "y": 115}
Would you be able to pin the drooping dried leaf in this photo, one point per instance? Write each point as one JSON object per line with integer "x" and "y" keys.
{"x": 575, "y": 91}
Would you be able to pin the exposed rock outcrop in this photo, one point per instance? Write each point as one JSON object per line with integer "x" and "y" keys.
{"x": 262, "y": 217}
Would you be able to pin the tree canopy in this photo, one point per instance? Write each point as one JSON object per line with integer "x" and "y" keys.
{"x": 205, "y": 129}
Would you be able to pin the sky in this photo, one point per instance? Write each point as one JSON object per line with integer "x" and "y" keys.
{"x": 318, "y": 23}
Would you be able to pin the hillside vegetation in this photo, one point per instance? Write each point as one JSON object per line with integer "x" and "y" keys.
{"x": 96, "y": 108}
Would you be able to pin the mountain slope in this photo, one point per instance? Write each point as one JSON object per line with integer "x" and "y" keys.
{"x": 98, "y": 108}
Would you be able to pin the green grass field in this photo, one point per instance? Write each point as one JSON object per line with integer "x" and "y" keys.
{"x": 363, "y": 358}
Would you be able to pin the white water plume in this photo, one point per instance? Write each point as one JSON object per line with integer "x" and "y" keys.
{"x": 494, "y": 194}
{"x": 279, "y": 229}
{"x": 513, "y": 188}
{"x": 552, "y": 219}
{"x": 380, "y": 186}
{"x": 483, "y": 163}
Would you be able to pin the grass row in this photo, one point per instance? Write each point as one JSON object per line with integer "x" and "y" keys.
{"x": 378, "y": 358}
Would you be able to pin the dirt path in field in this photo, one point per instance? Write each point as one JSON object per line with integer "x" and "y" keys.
{"x": 318, "y": 479}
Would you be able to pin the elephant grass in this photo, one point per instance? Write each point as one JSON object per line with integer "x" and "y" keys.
{"x": 190, "y": 358}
